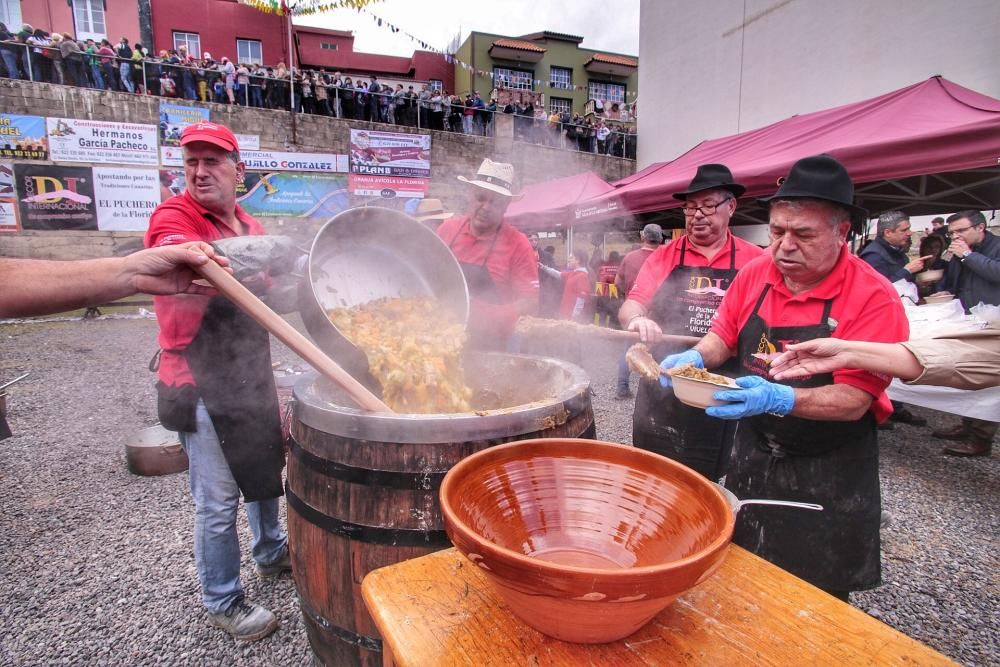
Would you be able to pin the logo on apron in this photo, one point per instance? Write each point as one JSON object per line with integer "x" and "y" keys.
{"x": 707, "y": 285}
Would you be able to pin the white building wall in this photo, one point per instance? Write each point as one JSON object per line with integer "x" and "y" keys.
{"x": 711, "y": 68}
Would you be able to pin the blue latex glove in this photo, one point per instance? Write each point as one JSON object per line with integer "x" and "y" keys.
{"x": 757, "y": 397}
{"x": 691, "y": 356}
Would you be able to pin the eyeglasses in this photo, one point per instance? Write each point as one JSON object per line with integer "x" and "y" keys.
{"x": 706, "y": 209}
{"x": 959, "y": 231}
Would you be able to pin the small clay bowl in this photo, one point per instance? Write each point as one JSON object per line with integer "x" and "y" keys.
{"x": 586, "y": 541}
{"x": 698, "y": 393}
{"x": 939, "y": 298}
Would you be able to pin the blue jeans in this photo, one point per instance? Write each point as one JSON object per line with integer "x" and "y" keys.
{"x": 126, "y": 73}
{"x": 95, "y": 72}
{"x": 216, "y": 499}
{"x": 10, "y": 62}
{"x": 623, "y": 371}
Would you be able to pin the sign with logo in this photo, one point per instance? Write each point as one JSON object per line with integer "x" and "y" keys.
{"x": 277, "y": 161}
{"x": 94, "y": 141}
{"x": 172, "y": 156}
{"x": 8, "y": 199}
{"x": 125, "y": 197}
{"x": 174, "y": 118}
{"x": 53, "y": 197}
{"x": 23, "y": 137}
{"x": 293, "y": 195}
{"x": 388, "y": 187}
{"x": 390, "y": 153}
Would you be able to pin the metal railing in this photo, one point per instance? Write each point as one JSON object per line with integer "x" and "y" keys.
{"x": 198, "y": 83}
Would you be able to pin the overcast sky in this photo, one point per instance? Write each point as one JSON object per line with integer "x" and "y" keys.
{"x": 604, "y": 25}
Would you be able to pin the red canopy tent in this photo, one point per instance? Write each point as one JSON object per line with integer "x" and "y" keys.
{"x": 552, "y": 205}
{"x": 932, "y": 147}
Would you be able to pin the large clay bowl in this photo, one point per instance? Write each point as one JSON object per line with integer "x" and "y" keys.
{"x": 586, "y": 541}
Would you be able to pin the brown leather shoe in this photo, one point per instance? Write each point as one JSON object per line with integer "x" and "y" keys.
{"x": 956, "y": 432}
{"x": 969, "y": 448}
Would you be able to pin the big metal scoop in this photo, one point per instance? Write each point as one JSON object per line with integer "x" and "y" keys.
{"x": 369, "y": 253}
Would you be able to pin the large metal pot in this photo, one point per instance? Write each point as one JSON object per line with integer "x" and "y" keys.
{"x": 370, "y": 253}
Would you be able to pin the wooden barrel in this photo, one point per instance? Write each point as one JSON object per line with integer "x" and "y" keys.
{"x": 362, "y": 488}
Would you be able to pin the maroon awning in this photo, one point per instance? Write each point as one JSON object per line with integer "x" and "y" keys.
{"x": 552, "y": 204}
{"x": 927, "y": 148}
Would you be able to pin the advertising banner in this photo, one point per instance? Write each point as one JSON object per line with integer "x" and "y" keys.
{"x": 174, "y": 118}
{"x": 291, "y": 195}
{"x": 125, "y": 197}
{"x": 23, "y": 137}
{"x": 8, "y": 199}
{"x": 390, "y": 153}
{"x": 53, "y": 197}
{"x": 277, "y": 161}
{"x": 388, "y": 187}
{"x": 171, "y": 156}
{"x": 94, "y": 141}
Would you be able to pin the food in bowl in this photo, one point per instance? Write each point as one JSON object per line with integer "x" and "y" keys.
{"x": 695, "y": 386}
{"x": 586, "y": 541}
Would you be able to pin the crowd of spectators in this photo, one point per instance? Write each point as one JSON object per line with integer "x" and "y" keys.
{"x": 33, "y": 53}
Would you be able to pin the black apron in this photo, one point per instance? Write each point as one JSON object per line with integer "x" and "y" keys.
{"x": 230, "y": 359}
{"x": 831, "y": 463}
{"x": 684, "y": 304}
{"x": 481, "y": 287}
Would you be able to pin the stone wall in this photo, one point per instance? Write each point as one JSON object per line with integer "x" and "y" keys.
{"x": 451, "y": 154}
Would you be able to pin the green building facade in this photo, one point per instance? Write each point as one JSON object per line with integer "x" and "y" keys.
{"x": 551, "y": 64}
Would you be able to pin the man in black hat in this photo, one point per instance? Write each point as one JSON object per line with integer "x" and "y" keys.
{"x": 811, "y": 439}
{"x": 678, "y": 291}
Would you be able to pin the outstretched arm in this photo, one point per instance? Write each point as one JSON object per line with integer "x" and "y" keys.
{"x": 40, "y": 287}
{"x": 825, "y": 355}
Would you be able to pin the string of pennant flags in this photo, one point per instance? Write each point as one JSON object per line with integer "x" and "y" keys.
{"x": 305, "y": 8}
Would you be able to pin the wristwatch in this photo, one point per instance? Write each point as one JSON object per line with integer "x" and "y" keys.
{"x": 965, "y": 256}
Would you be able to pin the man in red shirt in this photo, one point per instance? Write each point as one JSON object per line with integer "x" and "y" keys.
{"x": 576, "y": 287}
{"x": 678, "y": 291}
{"x": 652, "y": 238}
{"x": 216, "y": 389}
{"x": 498, "y": 261}
{"x": 814, "y": 438}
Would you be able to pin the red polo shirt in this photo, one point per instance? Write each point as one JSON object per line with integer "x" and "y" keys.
{"x": 865, "y": 306}
{"x": 181, "y": 219}
{"x": 663, "y": 260}
{"x": 511, "y": 262}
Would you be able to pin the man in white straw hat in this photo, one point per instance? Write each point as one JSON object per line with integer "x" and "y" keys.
{"x": 497, "y": 260}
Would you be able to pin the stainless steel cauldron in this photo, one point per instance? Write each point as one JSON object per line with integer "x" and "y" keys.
{"x": 369, "y": 253}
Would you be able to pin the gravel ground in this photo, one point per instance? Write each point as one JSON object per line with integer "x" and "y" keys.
{"x": 98, "y": 566}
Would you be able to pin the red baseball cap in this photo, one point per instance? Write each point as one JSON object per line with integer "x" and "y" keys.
{"x": 210, "y": 133}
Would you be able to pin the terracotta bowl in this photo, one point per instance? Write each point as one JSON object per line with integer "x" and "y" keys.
{"x": 586, "y": 541}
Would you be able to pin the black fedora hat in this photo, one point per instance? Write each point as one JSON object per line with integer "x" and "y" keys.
{"x": 711, "y": 176}
{"x": 821, "y": 177}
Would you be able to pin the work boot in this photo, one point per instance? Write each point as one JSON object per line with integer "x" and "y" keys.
{"x": 623, "y": 394}
{"x": 275, "y": 569}
{"x": 245, "y": 621}
{"x": 969, "y": 448}
{"x": 904, "y": 416}
{"x": 956, "y": 432}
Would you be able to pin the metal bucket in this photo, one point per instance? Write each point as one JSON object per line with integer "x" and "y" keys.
{"x": 155, "y": 451}
{"x": 362, "y": 488}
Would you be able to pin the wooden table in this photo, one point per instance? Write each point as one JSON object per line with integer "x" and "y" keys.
{"x": 440, "y": 610}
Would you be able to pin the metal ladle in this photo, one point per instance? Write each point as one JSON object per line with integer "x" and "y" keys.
{"x": 735, "y": 503}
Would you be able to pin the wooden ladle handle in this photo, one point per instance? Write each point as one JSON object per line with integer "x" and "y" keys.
{"x": 287, "y": 334}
